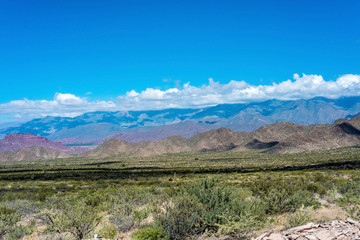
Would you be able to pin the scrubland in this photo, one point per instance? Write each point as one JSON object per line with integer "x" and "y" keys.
{"x": 235, "y": 195}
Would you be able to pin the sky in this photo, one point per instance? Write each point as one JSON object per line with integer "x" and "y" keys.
{"x": 65, "y": 58}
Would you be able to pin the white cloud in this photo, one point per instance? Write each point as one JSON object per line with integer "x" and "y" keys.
{"x": 305, "y": 86}
{"x": 68, "y": 99}
{"x": 64, "y": 104}
{"x": 349, "y": 81}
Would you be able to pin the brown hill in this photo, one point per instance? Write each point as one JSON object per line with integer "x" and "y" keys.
{"x": 184, "y": 129}
{"x": 285, "y": 137}
{"x": 32, "y": 153}
{"x": 355, "y": 121}
{"x": 320, "y": 137}
{"x": 17, "y": 141}
{"x": 217, "y": 140}
{"x": 172, "y": 144}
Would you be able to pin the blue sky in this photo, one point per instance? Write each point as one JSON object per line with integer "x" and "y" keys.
{"x": 97, "y": 52}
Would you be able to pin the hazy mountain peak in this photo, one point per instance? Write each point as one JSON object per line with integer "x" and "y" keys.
{"x": 135, "y": 126}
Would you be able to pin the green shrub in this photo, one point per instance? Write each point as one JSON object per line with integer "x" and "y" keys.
{"x": 92, "y": 198}
{"x": 122, "y": 222}
{"x": 20, "y": 231}
{"x": 8, "y": 219}
{"x": 350, "y": 201}
{"x": 108, "y": 232}
{"x": 24, "y": 207}
{"x": 213, "y": 196}
{"x": 140, "y": 215}
{"x": 150, "y": 233}
{"x": 43, "y": 193}
{"x": 71, "y": 214}
{"x": 353, "y": 211}
{"x": 352, "y": 188}
{"x": 317, "y": 188}
{"x": 263, "y": 185}
{"x": 303, "y": 198}
{"x": 280, "y": 201}
{"x": 123, "y": 204}
{"x": 181, "y": 218}
{"x": 224, "y": 209}
{"x": 6, "y": 211}
{"x": 299, "y": 217}
{"x": 244, "y": 218}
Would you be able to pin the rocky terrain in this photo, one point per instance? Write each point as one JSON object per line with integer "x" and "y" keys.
{"x": 27, "y": 146}
{"x": 276, "y": 138}
{"x": 285, "y": 137}
{"x": 32, "y": 153}
{"x": 334, "y": 230}
{"x": 184, "y": 129}
{"x": 17, "y": 141}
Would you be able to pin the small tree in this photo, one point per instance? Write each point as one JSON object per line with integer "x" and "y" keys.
{"x": 73, "y": 215}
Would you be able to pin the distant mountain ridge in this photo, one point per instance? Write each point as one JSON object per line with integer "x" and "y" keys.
{"x": 283, "y": 137}
{"x": 136, "y": 126}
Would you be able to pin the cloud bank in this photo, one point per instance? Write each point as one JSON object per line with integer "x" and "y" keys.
{"x": 305, "y": 87}
{"x": 187, "y": 96}
{"x": 65, "y": 105}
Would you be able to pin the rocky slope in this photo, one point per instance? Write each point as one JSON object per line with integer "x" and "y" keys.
{"x": 184, "y": 129}
{"x": 114, "y": 146}
{"x": 17, "y": 141}
{"x": 32, "y": 153}
{"x": 342, "y": 133}
{"x": 283, "y": 137}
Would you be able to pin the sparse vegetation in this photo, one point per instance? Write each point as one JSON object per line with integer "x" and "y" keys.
{"x": 350, "y": 200}
{"x": 299, "y": 217}
{"x": 150, "y": 233}
{"x": 73, "y": 213}
{"x": 173, "y": 196}
{"x": 108, "y": 231}
{"x": 8, "y": 219}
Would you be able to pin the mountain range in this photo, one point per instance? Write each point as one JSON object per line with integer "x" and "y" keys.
{"x": 284, "y": 137}
{"x": 138, "y": 126}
